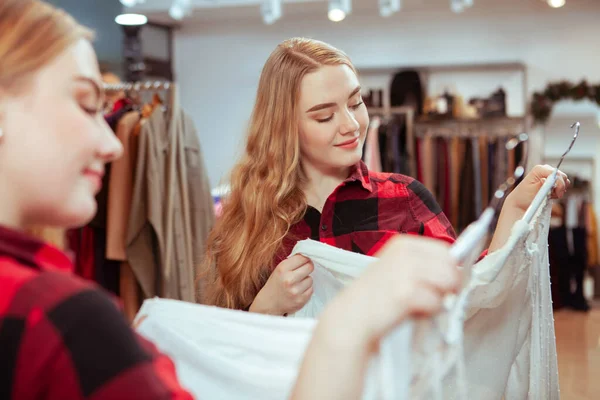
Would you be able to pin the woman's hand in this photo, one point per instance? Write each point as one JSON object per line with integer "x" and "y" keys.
{"x": 288, "y": 289}
{"x": 412, "y": 276}
{"x": 520, "y": 198}
{"x": 410, "y": 279}
{"x": 525, "y": 192}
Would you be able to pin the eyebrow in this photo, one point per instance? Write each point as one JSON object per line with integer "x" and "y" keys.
{"x": 327, "y": 105}
{"x": 97, "y": 88}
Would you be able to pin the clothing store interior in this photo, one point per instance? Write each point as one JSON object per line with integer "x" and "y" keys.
{"x": 464, "y": 111}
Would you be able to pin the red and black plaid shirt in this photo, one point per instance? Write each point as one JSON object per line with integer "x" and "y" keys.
{"x": 63, "y": 338}
{"x": 367, "y": 209}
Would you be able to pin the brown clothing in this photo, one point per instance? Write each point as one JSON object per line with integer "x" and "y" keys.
{"x": 172, "y": 210}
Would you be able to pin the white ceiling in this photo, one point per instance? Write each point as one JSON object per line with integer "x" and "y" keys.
{"x": 206, "y": 11}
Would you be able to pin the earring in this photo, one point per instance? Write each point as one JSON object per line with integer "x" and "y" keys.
{"x": 1, "y": 133}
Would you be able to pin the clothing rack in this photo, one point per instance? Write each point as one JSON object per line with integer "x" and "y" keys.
{"x": 387, "y": 113}
{"x": 503, "y": 126}
{"x": 138, "y": 86}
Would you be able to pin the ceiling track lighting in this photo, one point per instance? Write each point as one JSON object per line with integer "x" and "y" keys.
{"x": 131, "y": 19}
{"x": 131, "y": 3}
{"x": 180, "y": 9}
{"x": 339, "y": 9}
{"x": 556, "y": 3}
{"x": 459, "y": 6}
{"x": 389, "y": 7}
{"x": 270, "y": 11}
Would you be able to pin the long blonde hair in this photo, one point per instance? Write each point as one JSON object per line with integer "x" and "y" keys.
{"x": 266, "y": 196}
{"x": 33, "y": 34}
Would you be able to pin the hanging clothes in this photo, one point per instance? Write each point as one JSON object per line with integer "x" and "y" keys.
{"x": 592, "y": 238}
{"x": 467, "y": 206}
{"x": 172, "y": 209}
{"x": 120, "y": 189}
{"x": 477, "y": 176}
{"x": 372, "y": 156}
{"x": 428, "y": 161}
{"x": 484, "y": 162}
{"x": 509, "y": 346}
{"x": 418, "y": 160}
{"x": 455, "y": 169}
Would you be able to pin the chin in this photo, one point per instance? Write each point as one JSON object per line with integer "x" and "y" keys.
{"x": 81, "y": 215}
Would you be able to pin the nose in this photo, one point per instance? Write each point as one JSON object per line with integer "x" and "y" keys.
{"x": 110, "y": 148}
{"x": 349, "y": 124}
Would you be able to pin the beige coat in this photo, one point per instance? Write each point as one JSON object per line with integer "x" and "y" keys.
{"x": 172, "y": 209}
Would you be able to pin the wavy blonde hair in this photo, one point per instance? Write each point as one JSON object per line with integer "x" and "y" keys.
{"x": 266, "y": 196}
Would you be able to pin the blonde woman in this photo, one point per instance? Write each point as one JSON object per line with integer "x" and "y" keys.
{"x": 302, "y": 177}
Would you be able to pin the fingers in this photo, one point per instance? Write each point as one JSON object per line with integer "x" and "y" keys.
{"x": 304, "y": 285}
{"x": 299, "y": 274}
{"x": 426, "y": 302}
{"x": 294, "y": 262}
{"x": 441, "y": 276}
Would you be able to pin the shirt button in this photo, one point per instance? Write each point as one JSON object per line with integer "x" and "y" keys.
{"x": 324, "y": 227}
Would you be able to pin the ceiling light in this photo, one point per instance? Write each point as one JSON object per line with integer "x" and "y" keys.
{"x": 128, "y": 3}
{"x": 179, "y": 9}
{"x": 338, "y": 9}
{"x": 131, "y": 19}
{"x": 556, "y": 3}
{"x": 176, "y": 12}
{"x": 270, "y": 10}
{"x": 389, "y": 7}
{"x": 459, "y": 6}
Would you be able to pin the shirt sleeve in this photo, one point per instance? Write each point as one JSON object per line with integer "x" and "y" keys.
{"x": 100, "y": 357}
{"x": 428, "y": 215}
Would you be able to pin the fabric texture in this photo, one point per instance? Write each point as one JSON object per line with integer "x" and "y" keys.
{"x": 62, "y": 337}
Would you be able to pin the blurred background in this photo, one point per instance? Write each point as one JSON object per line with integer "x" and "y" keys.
{"x": 436, "y": 75}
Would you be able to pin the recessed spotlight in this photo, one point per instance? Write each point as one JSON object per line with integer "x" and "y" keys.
{"x": 131, "y": 19}
{"x": 556, "y": 3}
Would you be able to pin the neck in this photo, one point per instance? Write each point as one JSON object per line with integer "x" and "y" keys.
{"x": 320, "y": 184}
{"x": 10, "y": 216}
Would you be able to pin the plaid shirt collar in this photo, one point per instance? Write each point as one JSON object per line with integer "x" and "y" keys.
{"x": 31, "y": 252}
{"x": 360, "y": 173}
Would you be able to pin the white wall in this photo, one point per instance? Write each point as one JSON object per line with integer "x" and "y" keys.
{"x": 218, "y": 64}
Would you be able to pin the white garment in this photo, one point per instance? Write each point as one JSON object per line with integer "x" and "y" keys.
{"x": 508, "y": 335}
{"x": 509, "y": 342}
{"x": 236, "y": 355}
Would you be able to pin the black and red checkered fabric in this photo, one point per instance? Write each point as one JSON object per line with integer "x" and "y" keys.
{"x": 63, "y": 338}
{"x": 367, "y": 209}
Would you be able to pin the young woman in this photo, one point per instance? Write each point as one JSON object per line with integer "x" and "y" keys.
{"x": 302, "y": 177}
{"x": 63, "y": 338}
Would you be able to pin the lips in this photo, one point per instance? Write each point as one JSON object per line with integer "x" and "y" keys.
{"x": 95, "y": 176}
{"x": 351, "y": 141}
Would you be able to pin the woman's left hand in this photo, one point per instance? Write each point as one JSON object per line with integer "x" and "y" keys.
{"x": 522, "y": 196}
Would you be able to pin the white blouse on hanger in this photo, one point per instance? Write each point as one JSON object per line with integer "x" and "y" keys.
{"x": 509, "y": 344}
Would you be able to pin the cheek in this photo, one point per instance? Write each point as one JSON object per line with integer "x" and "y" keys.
{"x": 315, "y": 137}
{"x": 362, "y": 117}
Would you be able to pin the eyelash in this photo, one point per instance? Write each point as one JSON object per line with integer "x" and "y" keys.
{"x": 91, "y": 111}
{"x": 354, "y": 107}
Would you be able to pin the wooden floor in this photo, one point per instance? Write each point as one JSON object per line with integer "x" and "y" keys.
{"x": 578, "y": 347}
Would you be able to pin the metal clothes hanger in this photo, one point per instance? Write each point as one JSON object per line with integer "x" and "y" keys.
{"x": 547, "y": 187}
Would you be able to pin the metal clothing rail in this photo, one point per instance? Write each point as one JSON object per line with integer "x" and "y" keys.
{"x": 138, "y": 86}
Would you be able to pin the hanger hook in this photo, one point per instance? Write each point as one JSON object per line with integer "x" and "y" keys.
{"x": 576, "y": 125}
